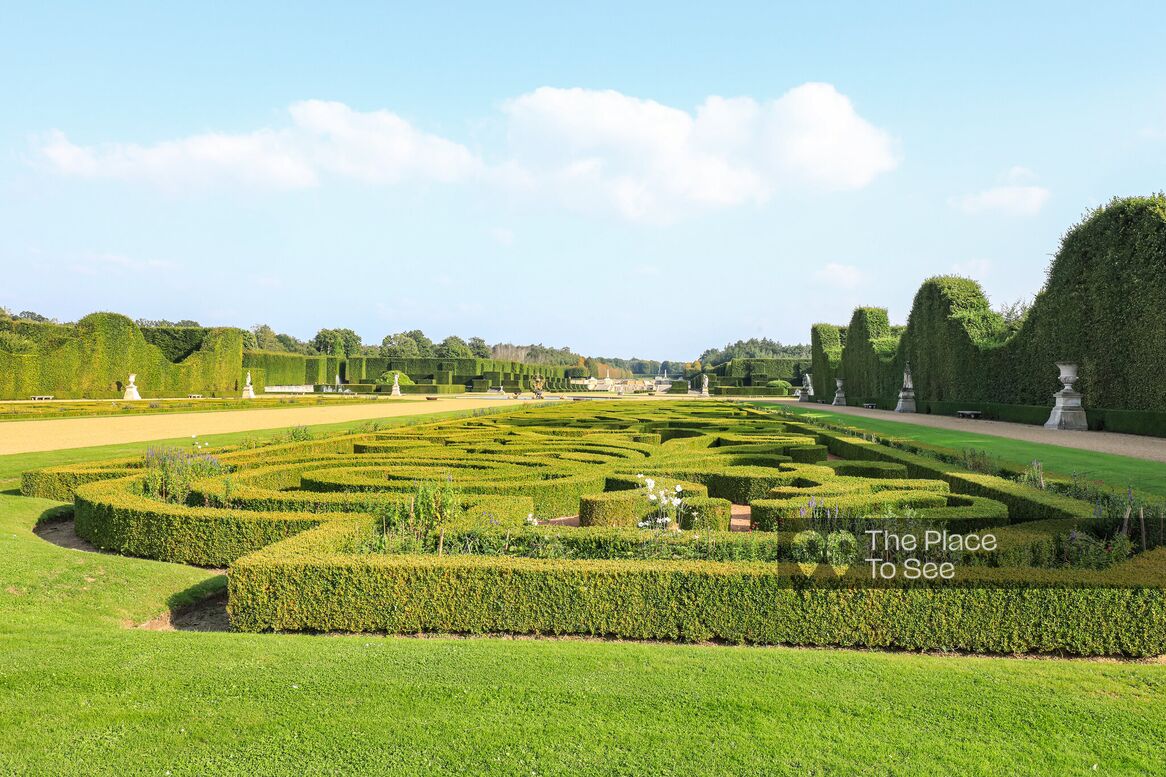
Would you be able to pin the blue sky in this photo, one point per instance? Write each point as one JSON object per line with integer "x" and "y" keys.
{"x": 641, "y": 181}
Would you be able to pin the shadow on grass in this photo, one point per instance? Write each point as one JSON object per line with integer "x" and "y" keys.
{"x": 202, "y": 607}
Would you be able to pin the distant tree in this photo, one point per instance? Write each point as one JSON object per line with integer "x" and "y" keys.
{"x": 399, "y": 346}
{"x": 1015, "y": 313}
{"x": 295, "y": 345}
{"x": 479, "y": 348}
{"x": 337, "y": 342}
{"x": 509, "y": 352}
{"x": 453, "y": 348}
{"x": 249, "y": 341}
{"x": 266, "y": 339}
{"x": 425, "y": 347}
{"x": 29, "y": 315}
{"x": 187, "y": 322}
{"x": 753, "y": 348}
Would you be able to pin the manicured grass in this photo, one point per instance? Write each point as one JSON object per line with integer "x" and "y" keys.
{"x": 1117, "y": 471}
{"x": 83, "y": 694}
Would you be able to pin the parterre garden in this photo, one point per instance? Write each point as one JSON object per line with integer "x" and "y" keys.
{"x": 622, "y": 520}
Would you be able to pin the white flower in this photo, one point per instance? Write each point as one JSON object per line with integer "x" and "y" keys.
{"x": 651, "y": 497}
{"x": 675, "y": 502}
{"x": 651, "y": 484}
{"x": 640, "y": 476}
{"x": 678, "y": 488}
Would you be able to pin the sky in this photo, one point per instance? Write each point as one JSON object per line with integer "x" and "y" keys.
{"x": 647, "y": 179}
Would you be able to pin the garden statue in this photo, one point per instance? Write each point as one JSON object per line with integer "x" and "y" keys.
{"x": 248, "y": 389}
{"x": 396, "y": 392}
{"x": 839, "y": 394}
{"x": 1067, "y": 412}
{"x": 906, "y": 402}
{"x": 338, "y": 379}
{"x": 132, "y": 389}
{"x": 704, "y": 384}
{"x": 806, "y": 393}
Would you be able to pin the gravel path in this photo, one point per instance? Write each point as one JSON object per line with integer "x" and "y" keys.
{"x": 55, "y": 434}
{"x": 1137, "y": 446}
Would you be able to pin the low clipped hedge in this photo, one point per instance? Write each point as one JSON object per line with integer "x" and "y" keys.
{"x": 307, "y": 584}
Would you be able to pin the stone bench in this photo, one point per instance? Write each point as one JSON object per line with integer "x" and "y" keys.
{"x": 973, "y": 414}
{"x": 41, "y": 398}
{"x": 869, "y": 405}
{"x": 194, "y": 396}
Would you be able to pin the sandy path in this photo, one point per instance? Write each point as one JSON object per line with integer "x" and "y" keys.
{"x": 55, "y": 434}
{"x": 1137, "y": 446}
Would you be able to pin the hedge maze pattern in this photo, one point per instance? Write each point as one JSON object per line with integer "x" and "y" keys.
{"x": 299, "y": 525}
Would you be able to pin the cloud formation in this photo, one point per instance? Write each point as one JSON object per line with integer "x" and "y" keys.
{"x": 1017, "y": 196}
{"x": 593, "y": 149}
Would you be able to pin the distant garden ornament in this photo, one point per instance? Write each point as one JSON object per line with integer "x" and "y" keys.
{"x": 1068, "y": 412}
{"x": 396, "y": 392}
{"x": 806, "y": 392}
{"x": 839, "y": 394}
{"x": 906, "y": 402}
{"x": 132, "y": 389}
{"x": 248, "y": 390}
{"x": 704, "y": 385}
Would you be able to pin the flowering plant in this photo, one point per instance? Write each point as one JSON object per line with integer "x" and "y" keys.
{"x": 667, "y": 504}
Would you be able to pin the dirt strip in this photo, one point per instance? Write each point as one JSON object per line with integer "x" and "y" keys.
{"x": 56, "y": 434}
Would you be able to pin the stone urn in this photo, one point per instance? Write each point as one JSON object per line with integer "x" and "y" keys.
{"x": 1068, "y": 374}
{"x": 839, "y": 394}
{"x": 1068, "y": 413}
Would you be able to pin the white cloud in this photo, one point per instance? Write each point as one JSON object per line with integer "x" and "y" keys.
{"x": 379, "y": 147}
{"x": 325, "y": 137}
{"x": 592, "y": 149}
{"x": 843, "y": 276}
{"x": 1017, "y": 195}
{"x": 259, "y": 158}
{"x": 652, "y": 161}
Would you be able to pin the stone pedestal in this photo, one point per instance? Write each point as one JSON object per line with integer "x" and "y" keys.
{"x": 906, "y": 403}
{"x": 248, "y": 389}
{"x": 396, "y": 392}
{"x": 1067, "y": 412}
{"x": 839, "y": 394}
{"x": 131, "y": 392}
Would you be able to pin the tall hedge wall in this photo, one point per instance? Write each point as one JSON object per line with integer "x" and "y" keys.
{"x": 826, "y": 344}
{"x": 1101, "y": 307}
{"x": 94, "y": 357}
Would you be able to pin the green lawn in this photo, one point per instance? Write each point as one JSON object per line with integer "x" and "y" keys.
{"x": 1117, "y": 471}
{"x": 82, "y": 693}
